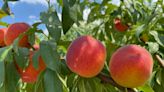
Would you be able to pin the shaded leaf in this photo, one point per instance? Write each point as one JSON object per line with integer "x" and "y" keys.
{"x": 21, "y": 57}
{"x": 4, "y": 52}
{"x": 2, "y": 72}
{"x": 52, "y": 82}
{"x": 49, "y": 54}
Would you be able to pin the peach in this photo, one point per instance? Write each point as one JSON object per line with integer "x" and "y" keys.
{"x": 2, "y": 33}
{"x": 30, "y": 73}
{"x": 131, "y": 66}
{"x": 14, "y": 30}
{"x": 119, "y": 25}
{"x": 86, "y": 56}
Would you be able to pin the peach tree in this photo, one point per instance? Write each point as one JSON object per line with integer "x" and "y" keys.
{"x": 95, "y": 53}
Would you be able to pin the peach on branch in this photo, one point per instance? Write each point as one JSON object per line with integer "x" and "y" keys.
{"x": 131, "y": 66}
{"x": 14, "y": 30}
{"x": 86, "y": 56}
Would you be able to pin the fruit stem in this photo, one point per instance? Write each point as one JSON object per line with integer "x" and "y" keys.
{"x": 159, "y": 59}
{"x": 107, "y": 79}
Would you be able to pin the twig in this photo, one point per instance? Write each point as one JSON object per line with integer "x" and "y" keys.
{"x": 159, "y": 59}
{"x": 108, "y": 79}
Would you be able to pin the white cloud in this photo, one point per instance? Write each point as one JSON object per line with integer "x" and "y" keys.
{"x": 43, "y": 2}
{"x": 32, "y": 17}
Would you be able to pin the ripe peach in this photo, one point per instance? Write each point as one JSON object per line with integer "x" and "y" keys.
{"x": 86, "y": 56}
{"x": 2, "y": 33}
{"x": 30, "y": 74}
{"x": 14, "y": 30}
{"x": 131, "y": 66}
{"x": 119, "y": 25}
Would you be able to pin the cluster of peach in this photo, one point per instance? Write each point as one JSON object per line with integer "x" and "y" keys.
{"x": 130, "y": 66}
{"x": 7, "y": 37}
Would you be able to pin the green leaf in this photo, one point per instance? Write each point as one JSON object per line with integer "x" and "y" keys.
{"x": 70, "y": 80}
{"x": 82, "y": 87}
{"x": 146, "y": 88}
{"x": 31, "y": 35}
{"x": 110, "y": 8}
{"x": 52, "y": 82}
{"x": 12, "y": 78}
{"x": 52, "y": 22}
{"x": 2, "y": 89}
{"x": 64, "y": 70}
{"x": 2, "y": 72}
{"x": 6, "y": 8}
{"x": 67, "y": 21}
{"x": 2, "y": 14}
{"x": 21, "y": 57}
{"x": 35, "y": 59}
{"x": 156, "y": 37}
{"x": 157, "y": 87}
{"x": 162, "y": 77}
{"x": 139, "y": 30}
{"x": 75, "y": 12}
{"x": 16, "y": 42}
{"x": 48, "y": 50}
{"x": 153, "y": 47}
{"x": 4, "y": 52}
{"x": 55, "y": 32}
{"x": 39, "y": 84}
{"x": 3, "y": 23}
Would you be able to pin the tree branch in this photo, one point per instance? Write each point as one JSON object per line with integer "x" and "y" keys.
{"x": 159, "y": 59}
{"x": 108, "y": 79}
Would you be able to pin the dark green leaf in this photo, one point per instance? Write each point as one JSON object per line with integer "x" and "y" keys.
{"x": 21, "y": 57}
{"x": 52, "y": 82}
{"x": 49, "y": 54}
{"x": 6, "y": 8}
{"x": 35, "y": 59}
{"x": 67, "y": 21}
{"x": 11, "y": 78}
{"x": 2, "y": 72}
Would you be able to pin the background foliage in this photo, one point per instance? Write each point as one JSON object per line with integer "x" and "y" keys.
{"x": 146, "y": 28}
